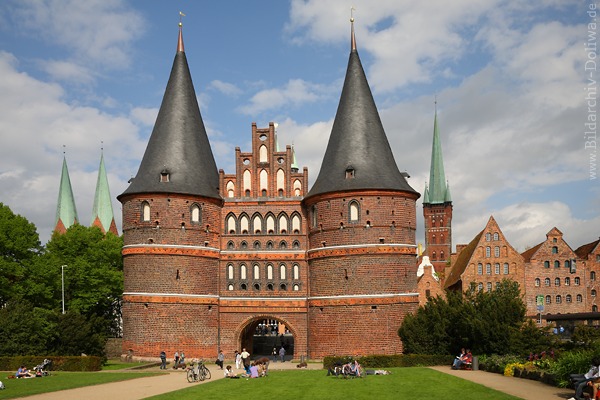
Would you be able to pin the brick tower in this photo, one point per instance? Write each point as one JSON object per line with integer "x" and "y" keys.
{"x": 171, "y": 225}
{"x": 437, "y": 208}
{"x": 362, "y": 217}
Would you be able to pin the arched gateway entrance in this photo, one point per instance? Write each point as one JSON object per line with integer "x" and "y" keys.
{"x": 261, "y": 335}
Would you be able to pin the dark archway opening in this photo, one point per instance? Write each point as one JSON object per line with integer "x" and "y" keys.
{"x": 264, "y": 337}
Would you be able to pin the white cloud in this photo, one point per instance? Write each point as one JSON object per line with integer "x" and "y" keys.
{"x": 226, "y": 88}
{"x": 295, "y": 93}
{"x": 99, "y": 31}
{"x": 68, "y": 72}
{"x": 145, "y": 116}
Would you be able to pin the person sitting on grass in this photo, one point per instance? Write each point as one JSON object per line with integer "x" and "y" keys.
{"x": 254, "y": 371}
{"x": 23, "y": 372}
{"x": 229, "y": 373}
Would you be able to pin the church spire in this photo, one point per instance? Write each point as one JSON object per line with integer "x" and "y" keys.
{"x": 102, "y": 213}
{"x": 358, "y": 154}
{"x": 178, "y": 158}
{"x": 438, "y": 191}
{"x": 66, "y": 212}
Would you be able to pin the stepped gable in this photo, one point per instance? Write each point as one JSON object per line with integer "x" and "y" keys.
{"x": 358, "y": 154}
{"x": 178, "y": 158}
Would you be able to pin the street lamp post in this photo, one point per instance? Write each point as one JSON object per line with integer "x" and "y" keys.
{"x": 62, "y": 278}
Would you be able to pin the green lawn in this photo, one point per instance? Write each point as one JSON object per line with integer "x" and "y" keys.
{"x": 60, "y": 381}
{"x": 403, "y": 383}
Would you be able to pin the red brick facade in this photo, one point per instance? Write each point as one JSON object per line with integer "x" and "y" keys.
{"x": 201, "y": 274}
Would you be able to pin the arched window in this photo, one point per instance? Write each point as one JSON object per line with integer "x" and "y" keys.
{"x": 480, "y": 286}
{"x": 270, "y": 224}
{"x": 230, "y": 287}
{"x": 313, "y": 212}
{"x": 230, "y": 271}
{"x": 283, "y": 224}
{"x": 592, "y": 275}
{"x": 594, "y": 308}
{"x": 297, "y": 188}
{"x": 505, "y": 268}
{"x": 269, "y": 272}
{"x": 568, "y": 298}
{"x": 546, "y": 264}
{"x": 497, "y": 268}
{"x": 244, "y": 224}
{"x": 593, "y": 293}
{"x": 269, "y": 245}
{"x": 433, "y": 256}
{"x": 195, "y": 213}
{"x": 280, "y": 182}
{"x": 231, "y": 224}
{"x": 145, "y": 211}
{"x": 489, "y": 286}
{"x": 488, "y": 251}
{"x": 488, "y": 237}
{"x": 230, "y": 189}
{"x": 295, "y": 244}
{"x": 283, "y": 244}
{"x": 548, "y": 299}
{"x": 262, "y": 154}
{"x": 353, "y": 211}
{"x": 554, "y": 250}
{"x": 264, "y": 182}
{"x": 433, "y": 239}
{"x": 537, "y": 282}
{"x": 244, "y": 245}
{"x": 556, "y": 264}
{"x": 442, "y": 256}
{"x": 579, "y": 298}
{"x": 480, "y": 269}
{"x": 567, "y": 263}
{"x": 558, "y": 299}
{"x": 547, "y": 282}
{"x": 495, "y": 235}
{"x": 256, "y": 245}
{"x": 488, "y": 269}
{"x": 557, "y": 282}
{"x": 282, "y": 272}
{"x": 257, "y": 224}
{"x": 247, "y": 179}
{"x": 296, "y": 287}
{"x": 296, "y": 224}
{"x": 567, "y": 281}
{"x": 230, "y": 245}
{"x": 256, "y": 272}
{"x": 496, "y": 251}
{"x": 243, "y": 272}
{"x": 577, "y": 281}
{"x": 433, "y": 222}
{"x": 296, "y": 272}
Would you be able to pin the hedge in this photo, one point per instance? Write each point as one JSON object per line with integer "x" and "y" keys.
{"x": 87, "y": 363}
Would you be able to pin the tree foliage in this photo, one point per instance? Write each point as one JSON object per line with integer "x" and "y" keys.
{"x": 487, "y": 322}
{"x": 31, "y": 318}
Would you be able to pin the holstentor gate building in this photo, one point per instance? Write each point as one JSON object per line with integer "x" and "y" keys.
{"x": 209, "y": 255}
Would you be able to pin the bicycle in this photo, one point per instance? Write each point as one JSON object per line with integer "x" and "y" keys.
{"x": 197, "y": 373}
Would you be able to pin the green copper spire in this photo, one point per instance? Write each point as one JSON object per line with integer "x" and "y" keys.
{"x": 426, "y": 195}
{"x": 437, "y": 178}
{"x": 294, "y": 162}
{"x": 102, "y": 213}
{"x": 66, "y": 212}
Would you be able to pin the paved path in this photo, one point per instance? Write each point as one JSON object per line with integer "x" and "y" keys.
{"x": 174, "y": 380}
{"x": 523, "y": 388}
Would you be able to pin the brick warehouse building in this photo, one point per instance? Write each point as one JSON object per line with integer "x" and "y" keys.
{"x": 209, "y": 256}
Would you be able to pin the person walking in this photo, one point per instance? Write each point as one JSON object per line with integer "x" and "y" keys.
{"x": 220, "y": 359}
{"x": 176, "y": 359}
{"x": 163, "y": 360}
{"x": 282, "y": 354}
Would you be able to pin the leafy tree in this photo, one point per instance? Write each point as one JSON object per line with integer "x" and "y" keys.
{"x": 93, "y": 274}
{"x": 77, "y": 335}
{"x": 25, "y": 330}
{"x": 19, "y": 246}
{"x": 487, "y": 322}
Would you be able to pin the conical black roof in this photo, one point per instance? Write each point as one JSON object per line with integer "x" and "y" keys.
{"x": 178, "y": 158}
{"x": 358, "y": 154}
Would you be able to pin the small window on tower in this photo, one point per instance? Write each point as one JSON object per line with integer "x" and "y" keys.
{"x": 164, "y": 175}
{"x": 349, "y": 172}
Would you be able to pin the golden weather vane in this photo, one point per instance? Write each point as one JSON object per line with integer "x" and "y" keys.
{"x": 181, "y": 15}
{"x": 352, "y": 13}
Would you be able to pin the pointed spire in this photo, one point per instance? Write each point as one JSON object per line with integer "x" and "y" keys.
{"x": 178, "y": 158}
{"x": 426, "y": 194}
{"x": 102, "y": 213}
{"x": 294, "y": 162}
{"x": 358, "y": 154}
{"x": 66, "y": 212}
{"x": 437, "y": 178}
{"x": 447, "y": 197}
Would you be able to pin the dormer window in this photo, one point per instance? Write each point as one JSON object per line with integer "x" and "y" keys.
{"x": 349, "y": 172}
{"x": 165, "y": 175}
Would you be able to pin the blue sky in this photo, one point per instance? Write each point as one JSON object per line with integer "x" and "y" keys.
{"x": 509, "y": 79}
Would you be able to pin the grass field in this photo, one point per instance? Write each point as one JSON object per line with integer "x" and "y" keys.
{"x": 403, "y": 383}
{"x": 60, "y": 381}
